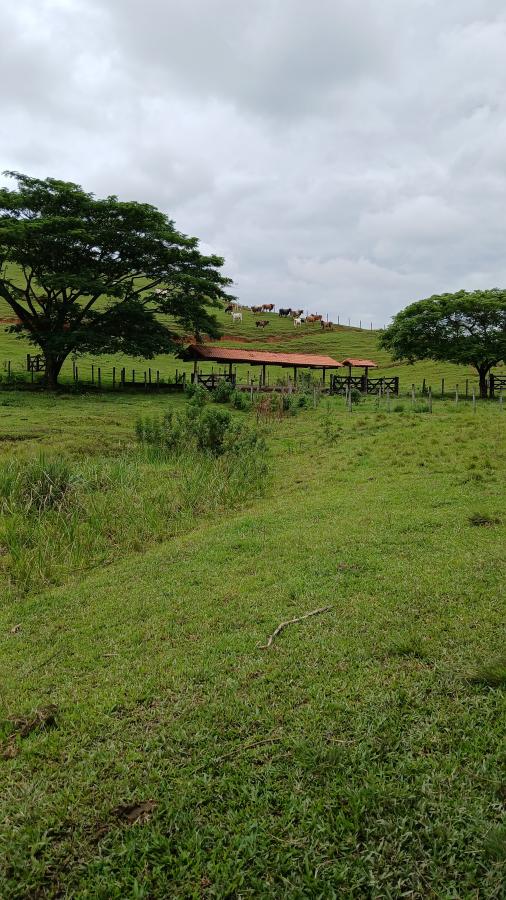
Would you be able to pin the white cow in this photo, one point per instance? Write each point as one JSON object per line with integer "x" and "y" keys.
{"x": 297, "y": 321}
{"x": 236, "y": 317}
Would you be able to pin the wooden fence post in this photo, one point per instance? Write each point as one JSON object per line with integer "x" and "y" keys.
{"x": 389, "y": 408}
{"x": 456, "y": 393}
{"x": 113, "y": 377}
{"x": 467, "y": 388}
{"x": 413, "y": 395}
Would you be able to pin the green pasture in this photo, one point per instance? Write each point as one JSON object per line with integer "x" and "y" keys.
{"x": 152, "y": 747}
{"x": 280, "y": 335}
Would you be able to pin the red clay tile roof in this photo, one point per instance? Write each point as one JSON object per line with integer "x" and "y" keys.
{"x": 261, "y": 357}
{"x": 360, "y": 362}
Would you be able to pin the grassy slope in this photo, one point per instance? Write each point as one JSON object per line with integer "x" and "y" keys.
{"x": 280, "y": 335}
{"x": 351, "y": 759}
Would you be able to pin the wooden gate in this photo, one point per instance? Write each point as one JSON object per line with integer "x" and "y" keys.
{"x": 497, "y": 383}
{"x": 340, "y": 384}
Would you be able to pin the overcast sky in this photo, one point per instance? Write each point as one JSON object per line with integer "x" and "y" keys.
{"x": 345, "y": 156}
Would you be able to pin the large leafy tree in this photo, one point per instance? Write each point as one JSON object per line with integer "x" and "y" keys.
{"x": 87, "y": 275}
{"x": 467, "y": 328}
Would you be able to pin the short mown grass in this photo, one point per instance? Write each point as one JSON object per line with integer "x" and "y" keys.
{"x": 152, "y": 748}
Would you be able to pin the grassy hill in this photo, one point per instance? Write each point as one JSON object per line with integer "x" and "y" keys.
{"x": 153, "y": 747}
{"x": 279, "y": 335}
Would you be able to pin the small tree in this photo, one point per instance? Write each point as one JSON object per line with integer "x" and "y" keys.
{"x": 90, "y": 276}
{"x": 467, "y": 328}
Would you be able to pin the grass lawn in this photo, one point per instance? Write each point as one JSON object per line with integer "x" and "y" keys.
{"x": 361, "y": 755}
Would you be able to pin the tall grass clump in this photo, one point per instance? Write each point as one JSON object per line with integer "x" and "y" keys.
{"x": 39, "y": 484}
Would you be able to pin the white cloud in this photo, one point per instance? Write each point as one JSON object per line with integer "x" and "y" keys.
{"x": 349, "y": 155}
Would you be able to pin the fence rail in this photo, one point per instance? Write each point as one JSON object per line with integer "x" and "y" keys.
{"x": 90, "y": 376}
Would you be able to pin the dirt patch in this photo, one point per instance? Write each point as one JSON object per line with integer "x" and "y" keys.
{"x": 21, "y": 726}
{"x": 10, "y": 320}
{"x": 139, "y": 813}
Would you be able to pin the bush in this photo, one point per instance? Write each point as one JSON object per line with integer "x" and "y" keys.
{"x": 355, "y": 396}
{"x": 223, "y": 392}
{"x": 289, "y": 403}
{"x": 205, "y": 430}
{"x": 197, "y": 393}
{"x": 240, "y": 400}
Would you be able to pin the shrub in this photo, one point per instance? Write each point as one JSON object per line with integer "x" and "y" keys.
{"x": 240, "y": 400}
{"x": 355, "y": 396}
{"x": 197, "y": 393}
{"x": 331, "y": 430}
{"x": 398, "y": 408}
{"x": 223, "y": 392}
{"x": 289, "y": 403}
{"x": 207, "y": 430}
{"x": 210, "y": 428}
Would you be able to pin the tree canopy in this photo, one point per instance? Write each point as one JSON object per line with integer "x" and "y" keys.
{"x": 88, "y": 275}
{"x": 467, "y": 328}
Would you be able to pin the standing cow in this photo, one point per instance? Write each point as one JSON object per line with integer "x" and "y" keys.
{"x": 237, "y": 317}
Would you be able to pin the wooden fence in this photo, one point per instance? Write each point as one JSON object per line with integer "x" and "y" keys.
{"x": 341, "y": 384}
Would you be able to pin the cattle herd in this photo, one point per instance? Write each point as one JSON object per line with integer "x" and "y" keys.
{"x": 295, "y": 314}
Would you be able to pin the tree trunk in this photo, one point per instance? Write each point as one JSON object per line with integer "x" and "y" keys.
{"x": 53, "y": 365}
{"x": 483, "y": 372}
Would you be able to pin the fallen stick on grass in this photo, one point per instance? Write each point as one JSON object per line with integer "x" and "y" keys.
{"x": 283, "y": 625}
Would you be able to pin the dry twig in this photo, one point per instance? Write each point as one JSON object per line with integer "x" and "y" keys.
{"x": 283, "y": 625}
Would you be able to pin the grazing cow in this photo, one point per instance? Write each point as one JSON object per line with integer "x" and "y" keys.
{"x": 297, "y": 313}
{"x": 261, "y": 323}
{"x": 256, "y": 309}
{"x": 297, "y": 321}
{"x": 312, "y": 319}
{"x": 267, "y": 307}
{"x": 324, "y": 325}
{"x": 236, "y": 317}
{"x": 285, "y": 312}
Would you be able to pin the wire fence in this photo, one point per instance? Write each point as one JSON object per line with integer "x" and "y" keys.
{"x": 90, "y": 376}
